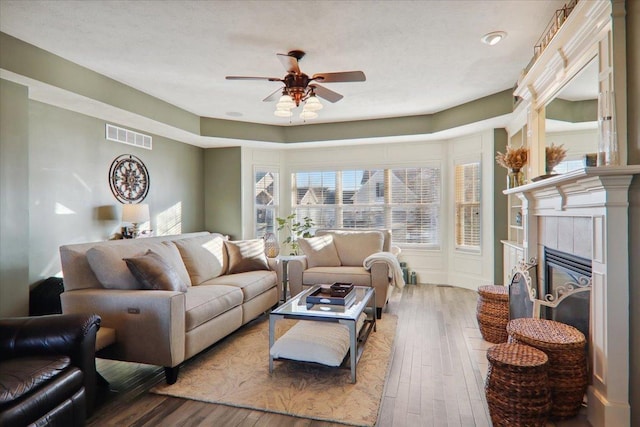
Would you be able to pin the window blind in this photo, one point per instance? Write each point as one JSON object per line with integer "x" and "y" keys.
{"x": 467, "y": 205}
{"x": 265, "y": 201}
{"x": 407, "y": 201}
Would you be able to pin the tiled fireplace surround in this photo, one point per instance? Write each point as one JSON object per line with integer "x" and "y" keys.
{"x": 586, "y": 213}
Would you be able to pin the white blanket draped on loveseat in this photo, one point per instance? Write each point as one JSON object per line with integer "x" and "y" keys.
{"x": 395, "y": 271}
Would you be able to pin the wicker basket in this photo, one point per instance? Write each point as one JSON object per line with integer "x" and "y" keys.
{"x": 492, "y": 312}
{"x": 517, "y": 386}
{"x": 565, "y": 346}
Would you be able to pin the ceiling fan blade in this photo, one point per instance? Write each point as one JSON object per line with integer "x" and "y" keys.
{"x": 274, "y": 96}
{"x": 271, "y": 79}
{"x": 327, "y": 94}
{"x": 290, "y": 63}
{"x": 342, "y": 76}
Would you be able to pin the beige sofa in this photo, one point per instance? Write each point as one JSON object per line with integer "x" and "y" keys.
{"x": 337, "y": 256}
{"x": 217, "y": 286}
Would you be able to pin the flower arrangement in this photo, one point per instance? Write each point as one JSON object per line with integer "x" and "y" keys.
{"x": 554, "y": 155}
{"x": 514, "y": 159}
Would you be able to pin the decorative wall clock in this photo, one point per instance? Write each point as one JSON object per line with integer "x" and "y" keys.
{"x": 129, "y": 179}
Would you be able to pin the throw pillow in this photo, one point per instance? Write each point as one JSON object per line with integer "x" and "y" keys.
{"x": 203, "y": 256}
{"x": 354, "y": 246}
{"x": 106, "y": 261}
{"x": 154, "y": 273}
{"x": 320, "y": 251}
{"x": 246, "y": 255}
{"x": 112, "y": 273}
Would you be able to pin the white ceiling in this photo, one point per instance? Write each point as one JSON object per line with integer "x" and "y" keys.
{"x": 419, "y": 56}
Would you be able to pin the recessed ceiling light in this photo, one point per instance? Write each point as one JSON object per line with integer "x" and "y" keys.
{"x": 493, "y": 38}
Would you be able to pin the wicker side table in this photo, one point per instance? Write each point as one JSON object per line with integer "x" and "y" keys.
{"x": 492, "y": 312}
{"x": 565, "y": 346}
{"x": 517, "y": 386}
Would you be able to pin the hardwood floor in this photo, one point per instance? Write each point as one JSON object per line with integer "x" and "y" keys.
{"x": 436, "y": 376}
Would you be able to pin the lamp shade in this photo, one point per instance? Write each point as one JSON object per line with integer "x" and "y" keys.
{"x": 306, "y": 115}
{"x": 313, "y": 104}
{"x": 285, "y": 102}
{"x": 282, "y": 113}
{"x": 135, "y": 213}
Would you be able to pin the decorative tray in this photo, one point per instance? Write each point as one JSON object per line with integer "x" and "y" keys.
{"x": 323, "y": 295}
{"x": 339, "y": 289}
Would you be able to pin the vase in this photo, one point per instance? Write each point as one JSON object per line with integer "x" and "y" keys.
{"x": 271, "y": 247}
{"x": 608, "y": 138}
{"x": 515, "y": 177}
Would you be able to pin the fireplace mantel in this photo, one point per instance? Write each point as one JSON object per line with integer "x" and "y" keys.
{"x": 580, "y": 181}
{"x": 599, "y": 198}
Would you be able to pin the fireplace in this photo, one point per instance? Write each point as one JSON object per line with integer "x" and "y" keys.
{"x": 569, "y": 276}
{"x": 588, "y": 213}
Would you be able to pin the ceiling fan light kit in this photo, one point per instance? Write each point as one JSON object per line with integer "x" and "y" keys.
{"x": 306, "y": 115}
{"x": 285, "y": 103}
{"x": 282, "y": 112}
{"x": 298, "y": 88}
{"x": 313, "y": 104}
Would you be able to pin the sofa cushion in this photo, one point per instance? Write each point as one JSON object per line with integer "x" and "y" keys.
{"x": 204, "y": 257}
{"x": 319, "y": 275}
{"x": 354, "y": 246}
{"x": 246, "y": 255}
{"x": 320, "y": 251}
{"x": 154, "y": 273}
{"x": 252, "y": 283}
{"x": 21, "y": 376}
{"x": 203, "y": 303}
{"x": 43, "y": 403}
{"x": 112, "y": 272}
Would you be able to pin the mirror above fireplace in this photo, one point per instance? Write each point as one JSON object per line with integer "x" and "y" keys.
{"x": 571, "y": 118}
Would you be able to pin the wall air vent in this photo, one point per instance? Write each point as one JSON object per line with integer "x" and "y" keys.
{"x": 129, "y": 137}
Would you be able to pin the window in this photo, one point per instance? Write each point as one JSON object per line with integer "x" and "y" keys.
{"x": 407, "y": 201}
{"x": 266, "y": 201}
{"x": 467, "y": 200}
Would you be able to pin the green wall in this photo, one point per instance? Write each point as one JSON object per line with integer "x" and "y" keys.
{"x": 572, "y": 111}
{"x": 27, "y": 60}
{"x": 14, "y": 199}
{"x": 223, "y": 191}
{"x": 500, "y": 207}
{"x": 55, "y": 167}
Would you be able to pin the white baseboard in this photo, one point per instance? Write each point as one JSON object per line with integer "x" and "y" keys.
{"x": 602, "y": 413}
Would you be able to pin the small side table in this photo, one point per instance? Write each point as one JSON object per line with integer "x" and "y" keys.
{"x": 285, "y": 273}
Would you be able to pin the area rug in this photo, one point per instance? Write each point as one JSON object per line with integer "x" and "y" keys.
{"x": 235, "y": 372}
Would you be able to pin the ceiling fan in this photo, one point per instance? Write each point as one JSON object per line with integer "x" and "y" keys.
{"x": 299, "y": 87}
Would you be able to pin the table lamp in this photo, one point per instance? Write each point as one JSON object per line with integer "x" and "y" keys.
{"x": 135, "y": 214}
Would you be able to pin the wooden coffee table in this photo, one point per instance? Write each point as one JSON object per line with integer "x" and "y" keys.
{"x": 297, "y": 308}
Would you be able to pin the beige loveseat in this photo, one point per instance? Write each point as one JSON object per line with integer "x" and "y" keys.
{"x": 221, "y": 285}
{"x": 337, "y": 256}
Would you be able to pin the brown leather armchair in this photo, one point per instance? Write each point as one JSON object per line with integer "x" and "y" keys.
{"x": 47, "y": 369}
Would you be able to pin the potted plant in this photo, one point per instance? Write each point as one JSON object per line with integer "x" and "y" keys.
{"x": 296, "y": 230}
{"x": 554, "y": 155}
{"x": 513, "y": 160}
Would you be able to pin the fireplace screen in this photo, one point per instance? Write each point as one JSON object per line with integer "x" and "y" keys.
{"x": 520, "y": 298}
{"x": 567, "y": 274}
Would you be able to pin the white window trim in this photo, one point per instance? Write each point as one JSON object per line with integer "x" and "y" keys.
{"x": 463, "y": 248}
{"x": 427, "y": 164}
{"x": 276, "y": 206}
